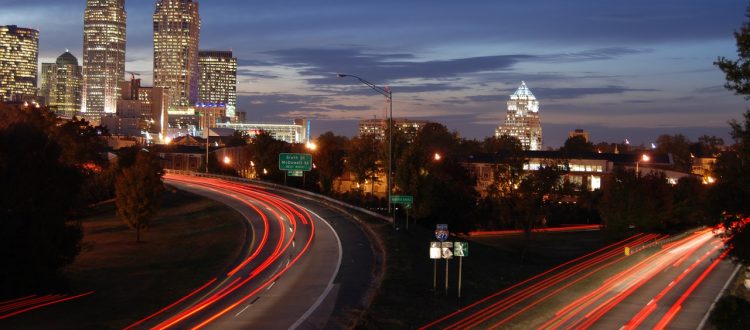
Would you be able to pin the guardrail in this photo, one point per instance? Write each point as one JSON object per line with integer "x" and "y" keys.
{"x": 309, "y": 194}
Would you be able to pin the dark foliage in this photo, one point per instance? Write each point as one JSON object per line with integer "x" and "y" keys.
{"x": 731, "y": 312}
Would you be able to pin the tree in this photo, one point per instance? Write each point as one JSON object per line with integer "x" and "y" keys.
{"x": 38, "y": 234}
{"x": 330, "y": 159}
{"x": 537, "y": 190}
{"x": 707, "y": 146}
{"x": 732, "y": 190}
{"x": 264, "y": 152}
{"x": 691, "y": 208}
{"x": 679, "y": 146}
{"x": 631, "y": 201}
{"x": 738, "y": 71}
{"x": 363, "y": 158}
{"x": 443, "y": 190}
{"x": 576, "y": 145}
{"x": 138, "y": 191}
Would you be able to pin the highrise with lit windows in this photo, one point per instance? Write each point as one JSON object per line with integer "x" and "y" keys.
{"x": 61, "y": 85}
{"x": 176, "y": 35}
{"x": 522, "y": 119}
{"x": 217, "y": 84}
{"x": 19, "y": 53}
{"x": 103, "y": 56}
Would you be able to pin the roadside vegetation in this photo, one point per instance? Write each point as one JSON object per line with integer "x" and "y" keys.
{"x": 190, "y": 240}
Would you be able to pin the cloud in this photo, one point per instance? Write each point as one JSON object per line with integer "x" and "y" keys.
{"x": 576, "y": 92}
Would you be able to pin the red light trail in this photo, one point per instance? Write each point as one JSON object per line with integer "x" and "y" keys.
{"x": 254, "y": 272}
{"x": 625, "y": 282}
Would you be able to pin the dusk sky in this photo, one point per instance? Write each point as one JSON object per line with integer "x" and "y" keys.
{"x": 618, "y": 69}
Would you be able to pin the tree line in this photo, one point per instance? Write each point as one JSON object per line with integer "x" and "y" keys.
{"x": 51, "y": 171}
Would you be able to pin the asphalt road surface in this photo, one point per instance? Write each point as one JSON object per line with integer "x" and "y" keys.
{"x": 667, "y": 283}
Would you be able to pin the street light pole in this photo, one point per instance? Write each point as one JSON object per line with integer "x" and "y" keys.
{"x": 389, "y": 97}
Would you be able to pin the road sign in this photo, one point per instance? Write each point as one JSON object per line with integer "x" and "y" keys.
{"x": 295, "y": 173}
{"x": 435, "y": 251}
{"x": 402, "y": 199}
{"x": 295, "y": 162}
{"x": 446, "y": 250}
{"x": 461, "y": 249}
{"x": 441, "y": 232}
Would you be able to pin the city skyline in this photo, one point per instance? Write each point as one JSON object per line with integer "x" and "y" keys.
{"x": 104, "y": 43}
{"x": 176, "y": 31}
{"x": 618, "y": 71}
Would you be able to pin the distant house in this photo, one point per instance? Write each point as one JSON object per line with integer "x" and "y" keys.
{"x": 587, "y": 170}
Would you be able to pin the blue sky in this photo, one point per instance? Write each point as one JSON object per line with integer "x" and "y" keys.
{"x": 619, "y": 69}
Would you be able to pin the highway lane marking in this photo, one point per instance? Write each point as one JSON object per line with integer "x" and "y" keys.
{"x": 721, "y": 293}
{"x": 238, "y": 314}
{"x": 271, "y": 286}
{"x": 330, "y": 283}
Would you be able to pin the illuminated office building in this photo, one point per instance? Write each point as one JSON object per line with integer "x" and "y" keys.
{"x": 61, "y": 85}
{"x": 379, "y": 127}
{"x": 176, "y": 35}
{"x": 217, "y": 84}
{"x": 103, "y": 56}
{"x": 19, "y": 52}
{"x": 522, "y": 119}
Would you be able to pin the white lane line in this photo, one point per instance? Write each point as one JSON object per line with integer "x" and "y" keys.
{"x": 270, "y": 286}
{"x": 238, "y": 314}
{"x": 330, "y": 283}
{"x": 721, "y": 293}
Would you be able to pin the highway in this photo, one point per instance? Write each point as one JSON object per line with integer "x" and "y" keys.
{"x": 666, "y": 283}
{"x": 288, "y": 275}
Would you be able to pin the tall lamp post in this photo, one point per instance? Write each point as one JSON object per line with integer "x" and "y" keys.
{"x": 389, "y": 97}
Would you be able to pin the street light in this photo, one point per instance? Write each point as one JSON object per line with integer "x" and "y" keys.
{"x": 389, "y": 97}
{"x": 437, "y": 156}
{"x": 227, "y": 160}
{"x": 643, "y": 158}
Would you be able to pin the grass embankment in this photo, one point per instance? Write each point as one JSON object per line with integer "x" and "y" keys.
{"x": 190, "y": 241}
{"x": 406, "y": 298}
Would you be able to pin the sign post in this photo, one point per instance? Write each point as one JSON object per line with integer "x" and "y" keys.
{"x": 435, "y": 254}
{"x": 406, "y": 200}
{"x": 461, "y": 250}
{"x": 447, "y": 255}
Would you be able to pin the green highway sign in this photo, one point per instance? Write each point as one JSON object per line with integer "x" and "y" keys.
{"x": 461, "y": 249}
{"x": 296, "y": 173}
{"x": 295, "y": 162}
{"x": 402, "y": 199}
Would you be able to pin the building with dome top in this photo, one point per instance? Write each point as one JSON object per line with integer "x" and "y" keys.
{"x": 522, "y": 119}
{"x": 61, "y": 85}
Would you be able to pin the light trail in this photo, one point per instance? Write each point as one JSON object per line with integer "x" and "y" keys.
{"x": 669, "y": 316}
{"x": 51, "y": 300}
{"x": 503, "y": 305}
{"x": 610, "y": 250}
{"x": 240, "y": 278}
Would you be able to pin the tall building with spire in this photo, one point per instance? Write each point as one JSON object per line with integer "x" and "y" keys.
{"x": 19, "y": 53}
{"x": 61, "y": 85}
{"x": 176, "y": 35}
{"x": 217, "y": 84}
{"x": 103, "y": 56}
{"x": 522, "y": 119}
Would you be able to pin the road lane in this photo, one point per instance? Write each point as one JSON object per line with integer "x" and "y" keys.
{"x": 670, "y": 285}
{"x": 268, "y": 278}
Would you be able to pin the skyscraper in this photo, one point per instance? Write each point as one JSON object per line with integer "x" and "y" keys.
{"x": 61, "y": 85}
{"x": 522, "y": 119}
{"x": 19, "y": 52}
{"x": 103, "y": 56}
{"x": 218, "y": 80}
{"x": 176, "y": 36}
